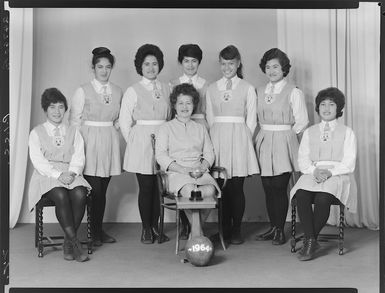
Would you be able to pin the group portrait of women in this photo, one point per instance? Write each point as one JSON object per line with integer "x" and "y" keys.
{"x": 198, "y": 124}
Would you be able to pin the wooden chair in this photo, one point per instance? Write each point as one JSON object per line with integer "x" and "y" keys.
{"x": 321, "y": 237}
{"x": 42, "y": 240}
{"x": 168, "y": 200}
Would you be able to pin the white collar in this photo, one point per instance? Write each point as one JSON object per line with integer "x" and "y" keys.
{"x": 48, "y": 125}
{"x": 234, "y": 80}
{"x": 332, "y": 124}
{"x": 185, "y": 78}
{"x": 278, "y": 86}
{"x": 197, "y": 81}
{"x": 98, "y": 85}
{"x": 148, "y": 82}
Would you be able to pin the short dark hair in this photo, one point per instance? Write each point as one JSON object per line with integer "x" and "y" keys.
{"x": 183, "y": 89}
{"x": 333, "y": 94}
{"x": 52, "y": 96}
{"x": 189, "y": 50}
{"x": 143, "y": 52}
{"x": 102, "y": 52}
{"x": 276, "y": 53}
{"x": 231, "y": 52}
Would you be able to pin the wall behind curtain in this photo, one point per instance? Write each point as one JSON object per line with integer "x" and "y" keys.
{"x": 64, "y": 39}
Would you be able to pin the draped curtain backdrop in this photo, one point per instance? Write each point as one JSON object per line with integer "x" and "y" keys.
{"x": 21, "y": 40}
{"x": 341, "y": 48}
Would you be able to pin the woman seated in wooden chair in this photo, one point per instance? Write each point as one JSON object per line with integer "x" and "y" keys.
{"x": 183, "y": 145}
{"x": 57, "y": 154}
{"x": 327, "y": 158}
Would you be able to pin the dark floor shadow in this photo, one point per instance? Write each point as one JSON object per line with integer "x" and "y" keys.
{"x": 216, "y": 260}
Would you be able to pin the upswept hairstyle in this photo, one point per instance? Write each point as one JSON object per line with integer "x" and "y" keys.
{"x": 183, "y": 89}
{"x": 333, "y": 94}
{"x": 190, "y": 50}
{"x": 231, "y": 52}
{"x": 102, "y": 52}
{"x": 52, "y": 96}
{"x": 143, "y": 52}
{"x": 276, "y": 53}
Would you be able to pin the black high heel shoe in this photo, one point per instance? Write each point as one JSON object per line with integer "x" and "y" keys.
{"x": 236, "y": 237}
{"x": 79, "y": 254}
{"x": 156, "y": 235}
{"x": 68, "y": 250}
{"x": 268, "y": 235}
{"x": 279, "y": 237}
{"x": 147, "y": 237}
{"x": 309, "y": 249}
{"x": 107, "y": 238}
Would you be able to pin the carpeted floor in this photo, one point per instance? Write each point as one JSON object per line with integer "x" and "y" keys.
{"x": 129, "y": 263}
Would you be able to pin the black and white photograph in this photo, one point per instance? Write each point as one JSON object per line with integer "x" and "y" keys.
{"x": 193, "y": 148}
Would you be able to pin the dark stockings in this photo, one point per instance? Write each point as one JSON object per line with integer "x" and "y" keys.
{"x": 69, "y": 207}
{"x": 233, "y": 203}
{"x": 277, "y": 201}
{"x": 148, "y": 200}
{"x": 313, "y": 220}
{"x": 98, "y": 202}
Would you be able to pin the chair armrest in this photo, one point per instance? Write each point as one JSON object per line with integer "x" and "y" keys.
{"x": 222, "y": 171}
{"x": 162, "y": 181}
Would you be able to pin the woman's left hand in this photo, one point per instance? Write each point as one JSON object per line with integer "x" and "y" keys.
{"x": 204, "y": 165}
{"x": 321, "y": 175}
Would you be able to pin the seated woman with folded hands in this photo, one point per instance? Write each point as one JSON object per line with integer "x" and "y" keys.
{"x": 326, "y": 158}
{"x": 183, "y": 145}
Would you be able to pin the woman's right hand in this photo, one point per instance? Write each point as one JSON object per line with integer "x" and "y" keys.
{"x": 66, "y": 178}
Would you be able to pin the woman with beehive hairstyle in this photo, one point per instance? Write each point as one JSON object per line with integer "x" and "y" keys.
{"x": 95, "y": 111}
{"x": 145, "y": 107}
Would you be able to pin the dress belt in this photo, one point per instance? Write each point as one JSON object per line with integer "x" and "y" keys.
{"x": 229, "y": 119}
{"x": 150, "y": 122}
{"x": 275, "y": 127}
{"x": 197, "y": 116}
{"x": 98, "y": 123}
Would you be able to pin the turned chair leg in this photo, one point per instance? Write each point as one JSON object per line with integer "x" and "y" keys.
{"x": 341, "y": 232}
{"x": 40, "y": 231}
{"x": 89, "y": 241}
{"x": 293, "y": 241}
{"x": 177, "y": 232}
{"x": 220, "y": 227}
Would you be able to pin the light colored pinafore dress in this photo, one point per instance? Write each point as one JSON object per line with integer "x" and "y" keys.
{"x": 231, "y": 137}
{"x": 323, "y": 152}
{"x": 149, "y": 113}
{"x": 101, "y": 138}
{"x": 276, "y": 142}
{"x": 60, "y": 158}
{"x": 201, "y": 86}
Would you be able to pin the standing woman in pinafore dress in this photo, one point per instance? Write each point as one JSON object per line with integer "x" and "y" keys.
{"x": 190, "y": 57}
{"x": 145, "y": 106}
{"x": 57, "y": 154}
{"x": 231, "y": 115}
{"x": 282, "y": 115}
{"x": 327, "y": 157}
{"x": 95, "y": 110}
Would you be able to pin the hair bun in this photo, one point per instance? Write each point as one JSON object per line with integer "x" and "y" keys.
{"x": 101, "y": 50}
